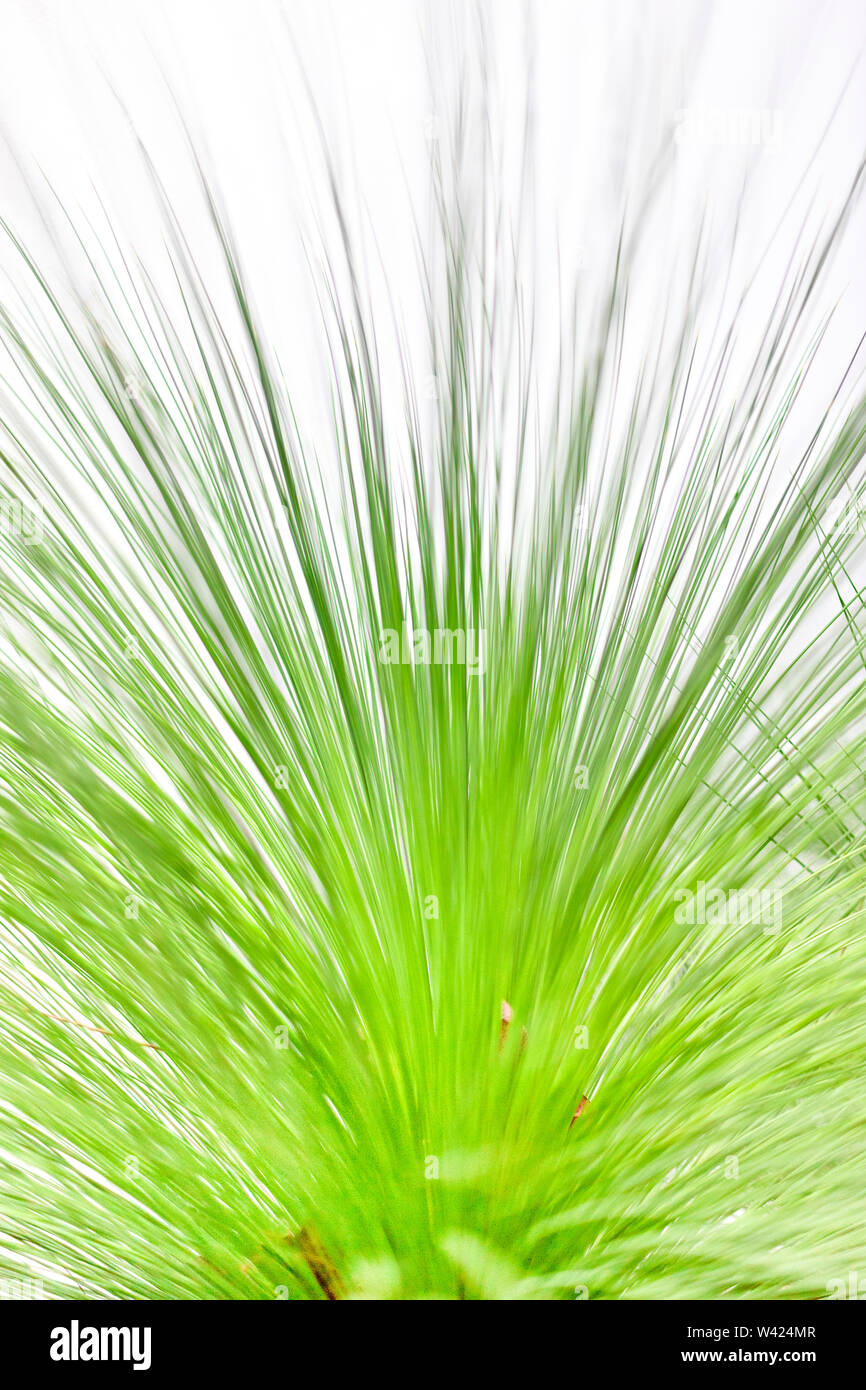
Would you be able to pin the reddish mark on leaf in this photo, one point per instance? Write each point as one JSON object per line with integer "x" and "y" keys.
{"x": 506, "y": 1016}
{"x": 320, "y": 1264}
{"x": 584, "y": 1102}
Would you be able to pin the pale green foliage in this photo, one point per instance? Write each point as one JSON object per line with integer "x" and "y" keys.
{"x": 263, "y": 896}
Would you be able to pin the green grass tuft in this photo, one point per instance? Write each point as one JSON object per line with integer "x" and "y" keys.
{"x": 326, "y": 977}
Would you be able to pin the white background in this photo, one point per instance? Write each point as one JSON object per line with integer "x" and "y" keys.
{"x": 78, "y": 77}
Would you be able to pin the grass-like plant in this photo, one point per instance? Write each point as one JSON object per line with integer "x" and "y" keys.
{"x": 433, "y": 855}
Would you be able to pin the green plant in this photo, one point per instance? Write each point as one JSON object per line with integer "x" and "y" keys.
{"x": 326, "y": 975}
